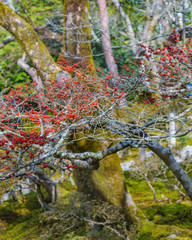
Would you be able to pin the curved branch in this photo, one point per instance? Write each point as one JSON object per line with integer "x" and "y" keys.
{"x": 90, "y": 160}
{"x": 167, "y": 157}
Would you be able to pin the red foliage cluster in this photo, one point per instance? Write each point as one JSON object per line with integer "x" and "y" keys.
{"x": 30, "y": 116}
{"x": 168, "y": 68}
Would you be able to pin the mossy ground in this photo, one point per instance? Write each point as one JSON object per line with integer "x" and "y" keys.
{"x": 168, "y": 217}
{"x": 25, "y": 220}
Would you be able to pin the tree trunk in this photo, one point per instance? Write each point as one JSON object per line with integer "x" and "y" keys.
{"x": 76, "y": 34}
{"x": 29, "y": 42}
{"x": 172, "y": 131}
{"x": 142, "y": 154}
{"x": 151, "y": 23}
{"x": 107, "y": 182}
{"x": 105, "y": 36}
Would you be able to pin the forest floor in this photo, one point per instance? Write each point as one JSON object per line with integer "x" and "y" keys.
{"x": 24, "y": 219}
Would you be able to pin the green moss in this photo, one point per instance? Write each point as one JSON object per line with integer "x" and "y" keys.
{"x": 66, "y": 186}
{"x": 24, "y": 219}
{"x": 73, "y": 236}
{"x": 142, "y": 198}
{"x": 26, "y": 229}
{"x": 154, "y": 232}
{"x": 77, "y": 45}
{"x": 29, "y": 42}
{"x": 177, "y": 215}
{"x": 106, "y": 182}
{"x": 21, "y": 222}
{"x": 171, "y": 214}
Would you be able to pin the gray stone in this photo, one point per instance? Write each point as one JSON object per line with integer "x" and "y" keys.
{"x": 172, "y": 236}
{"x": 25, "y": 189}
{"x": 184, "y": 153}
{"x": 5, "y": 197}
{"x": 126, "y": 166}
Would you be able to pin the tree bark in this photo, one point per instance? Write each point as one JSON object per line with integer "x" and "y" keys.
{"x": 77, "y": 33}
{"x": 29, "y": 42}
{"x": 142, "y": 154}
{"x": 172, "y": 131}
{"x": 105, "y": 36}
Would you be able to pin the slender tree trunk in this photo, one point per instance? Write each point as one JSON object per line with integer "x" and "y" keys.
{"x": 130, "y": 32}
{"x": 105, "y": 36}
{"x": 172, "y": 130}
{"x": 183, "y": 17}
{"x": 142, "y": 154}
{"x": 10, "y": 4}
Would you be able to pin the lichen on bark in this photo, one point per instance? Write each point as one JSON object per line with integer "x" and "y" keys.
{"x": 76, "y": 34}
{"x": 29, "y": 42}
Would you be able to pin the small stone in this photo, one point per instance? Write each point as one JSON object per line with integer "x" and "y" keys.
{"x": 172, "y": 236}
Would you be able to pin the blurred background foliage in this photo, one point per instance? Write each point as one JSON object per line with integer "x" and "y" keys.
{"x": 49, "y": 12}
